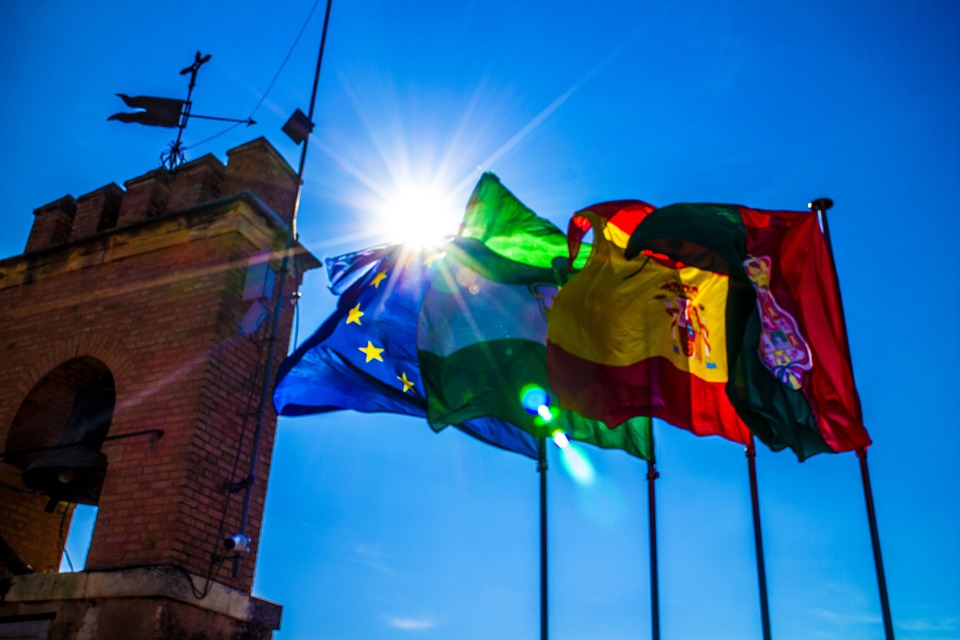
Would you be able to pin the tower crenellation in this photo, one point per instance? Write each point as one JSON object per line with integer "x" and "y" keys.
{"x": 127, "y": 366}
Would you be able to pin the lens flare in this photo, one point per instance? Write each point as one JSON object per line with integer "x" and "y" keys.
{"x": 533, "y": 397}
{"x": 560, "y": 439}
{"x": 418, "y": 216}
{"x": 576, "y": 463}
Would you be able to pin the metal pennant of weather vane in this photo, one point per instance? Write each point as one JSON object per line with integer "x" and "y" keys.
{"x": 171, "y": 113}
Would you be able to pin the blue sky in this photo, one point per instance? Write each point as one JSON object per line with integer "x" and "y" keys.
{"x": 378, "y": 528}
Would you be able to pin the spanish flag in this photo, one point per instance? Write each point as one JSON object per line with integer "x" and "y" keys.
{"x": 718, "y": 319}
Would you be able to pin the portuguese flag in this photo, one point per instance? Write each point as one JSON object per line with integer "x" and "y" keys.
{"x": 482, "y": 328}
{"x": 718, "y": 319}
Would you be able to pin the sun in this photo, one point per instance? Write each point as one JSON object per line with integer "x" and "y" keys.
{"x": 418, "y": 216}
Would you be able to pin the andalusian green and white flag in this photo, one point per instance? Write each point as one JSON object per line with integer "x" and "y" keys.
{"x": 482, "y": 328}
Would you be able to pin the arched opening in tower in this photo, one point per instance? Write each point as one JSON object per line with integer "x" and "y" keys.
{"x": 55, "y": 441}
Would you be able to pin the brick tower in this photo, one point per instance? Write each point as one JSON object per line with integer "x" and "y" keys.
{"x": 134, "y": 333}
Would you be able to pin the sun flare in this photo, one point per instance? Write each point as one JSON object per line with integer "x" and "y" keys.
{"x": 418, "y": 216}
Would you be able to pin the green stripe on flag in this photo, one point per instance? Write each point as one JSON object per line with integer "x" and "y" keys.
{"x": 482, "y": 351}
{"x": 497, "y": 219}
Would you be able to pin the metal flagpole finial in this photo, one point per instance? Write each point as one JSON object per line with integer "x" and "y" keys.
{"x": 820, "y": 204}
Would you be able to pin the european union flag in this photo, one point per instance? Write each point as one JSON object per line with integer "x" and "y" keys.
{"x": 364, "y": 356}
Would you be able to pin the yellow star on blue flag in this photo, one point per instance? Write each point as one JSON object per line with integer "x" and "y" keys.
{"x": 364, "y": 357}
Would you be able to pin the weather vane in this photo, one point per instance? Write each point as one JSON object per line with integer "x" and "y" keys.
{"x": 172, "y": 113}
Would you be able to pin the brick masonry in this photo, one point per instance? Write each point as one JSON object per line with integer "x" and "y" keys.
{"x": 146, "y": 283}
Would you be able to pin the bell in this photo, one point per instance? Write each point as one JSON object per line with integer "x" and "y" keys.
{"x": 74, "y": 470}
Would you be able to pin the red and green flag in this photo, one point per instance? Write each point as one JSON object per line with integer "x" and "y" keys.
{"x": 719, "y": 319}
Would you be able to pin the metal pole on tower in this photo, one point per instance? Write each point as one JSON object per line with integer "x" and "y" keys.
{"x": 278, "y": 300}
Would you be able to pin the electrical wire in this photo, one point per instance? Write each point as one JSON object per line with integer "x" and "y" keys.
{"x": 262, "y": 367}
{"x": 214, "y": 136}
{"x": 287, "y": 58}
{"x": 266, "y": 92}
{"x": 251, "y": 392}
{"x": 215, "y": 558}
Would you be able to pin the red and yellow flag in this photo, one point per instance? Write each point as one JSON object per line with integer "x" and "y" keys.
{"x": 693, "y": 314}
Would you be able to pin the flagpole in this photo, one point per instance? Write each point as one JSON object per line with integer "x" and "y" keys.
{"x": 542, "y": 470}
{"x": 652, "y": 475}
{"x": 758, "y": 539}
{"x": 820, "y": 206}
{"x": 875, "y": 540}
